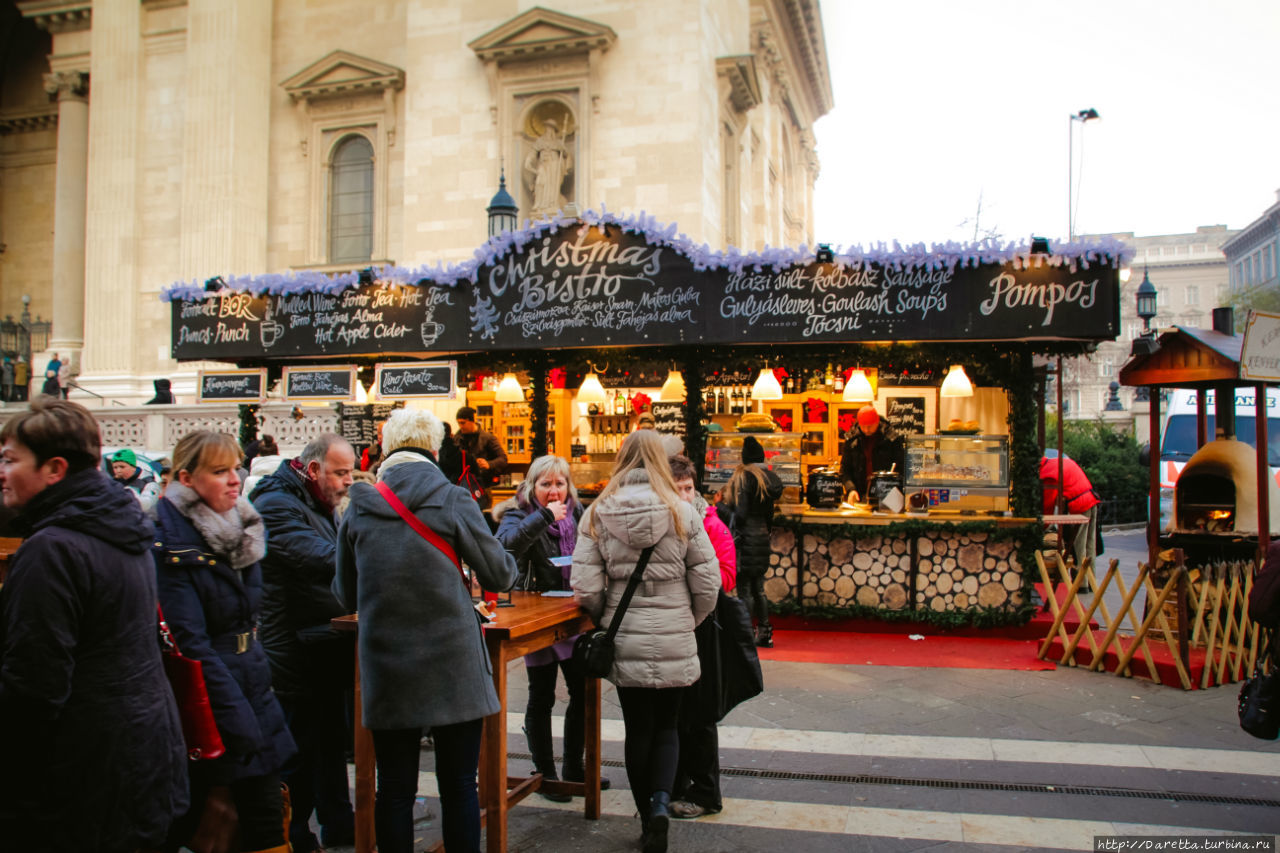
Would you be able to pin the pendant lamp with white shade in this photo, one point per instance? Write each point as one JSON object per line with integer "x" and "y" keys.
{"x": 509, "y": 390}
{"x": 673, "y": 390}
{"x": 858, "y": 388}
{"x": 767, "y": 386}
{"x": 956, "y": 384}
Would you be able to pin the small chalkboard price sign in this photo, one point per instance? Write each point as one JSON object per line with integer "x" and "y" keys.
{"x": 906, "y": 415}
{"x": 669, "y": 418}
{"x": 417, "y": 379}
{"x": 232, "y": 386}
{"x": 356, "y": 424}
{"x": 331, "y": 384}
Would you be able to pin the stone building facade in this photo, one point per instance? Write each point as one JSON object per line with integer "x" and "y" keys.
{"x": 144, "y": 142}
{"x": 1253, "y": 257}
{"x": 1189, "y": 272}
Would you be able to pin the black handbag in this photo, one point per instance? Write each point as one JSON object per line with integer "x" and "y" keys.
{"x": 1259, "y": 701}
{"x": 593, "y": 651}
{"x": 729, "y": 662}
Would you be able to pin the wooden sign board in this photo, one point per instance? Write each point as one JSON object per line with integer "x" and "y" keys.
{"x": 417, "y": 380}
{"x": 332, "y": 384}
{"x": 910, "y": 410}
{"x": 1260, "y": 354}
{"x": 232, "y": 386}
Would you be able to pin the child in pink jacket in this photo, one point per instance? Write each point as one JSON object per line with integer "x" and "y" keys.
{"x": 697, "y": 788}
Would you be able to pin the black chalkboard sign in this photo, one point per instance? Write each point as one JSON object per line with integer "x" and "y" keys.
{"x": 319, "y": 383}
{"x": 356, "y": 424}
{"x": 906, "y": 415}
{"x": 436, "y": 379}
{"x": 232, "y": 386}
{"x": 669, "y": 418}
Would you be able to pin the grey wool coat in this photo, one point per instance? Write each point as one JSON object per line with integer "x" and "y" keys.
{"x": 654, "y": 646}
{"x": 423, "y": 660}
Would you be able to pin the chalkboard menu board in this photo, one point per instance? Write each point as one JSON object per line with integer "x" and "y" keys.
{"x": 358, "y": 423}
{"x": 320, "y": 383}
{"x": 906, "y": 415}
{"x": 669, "y": 418}
{"x": 232, "y": 386}
{"x": 580, "y": 287}
{"x": 417, "y": 379}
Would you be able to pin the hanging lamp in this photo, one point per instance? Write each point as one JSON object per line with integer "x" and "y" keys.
{"x": 509, "y": 390}
{"x": 591, "y": 391}
{"x": 857, "y": 388}
{"x": 956, "y": 384}
{"x": 767, "y": 386}
{"x": 673, "y": 390}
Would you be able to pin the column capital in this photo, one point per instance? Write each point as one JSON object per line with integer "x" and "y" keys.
{"x": 67, "y": 84}
{"x": 58, "y": 16}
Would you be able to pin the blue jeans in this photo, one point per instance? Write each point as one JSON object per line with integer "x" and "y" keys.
{"x": 457, "y": 753}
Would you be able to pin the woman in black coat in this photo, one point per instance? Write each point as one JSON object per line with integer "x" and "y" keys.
{"x": 539, "y": 523}
{"x": 209, "y": 540}
{"x": 91, "y": 746}
{"x": 750, "y": 495}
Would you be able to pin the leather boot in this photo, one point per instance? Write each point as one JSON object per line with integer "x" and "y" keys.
{"x": 764, "y": 637}
{"x": 655, "y": 832}
{"x": 544, "y": 758}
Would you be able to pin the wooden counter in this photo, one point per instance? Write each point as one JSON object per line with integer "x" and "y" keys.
{"x": 935, "y": 562}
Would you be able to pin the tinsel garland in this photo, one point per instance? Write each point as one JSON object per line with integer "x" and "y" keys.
{"x": 895, "y": 255}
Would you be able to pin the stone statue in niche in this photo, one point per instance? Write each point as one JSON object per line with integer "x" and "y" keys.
{"x": 549, "y": 163}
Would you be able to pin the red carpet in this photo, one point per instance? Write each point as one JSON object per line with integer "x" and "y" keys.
{"x": 886, "y": 649}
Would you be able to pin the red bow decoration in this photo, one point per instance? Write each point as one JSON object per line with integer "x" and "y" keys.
{"x": 640, "y": 402}
{"x": 815, "y": 411}
{"x": 780, "y": 374}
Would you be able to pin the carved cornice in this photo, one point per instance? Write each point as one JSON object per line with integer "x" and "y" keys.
{"x": 58, "y": 16}
{"x": 806, "y": 24}
{"x": 29, "y": 120}
{"x": 342, "y": 73}
{"x": 744, "y": 84}
{"x": 67, "y": 84}
{"x": 542, "y": 33}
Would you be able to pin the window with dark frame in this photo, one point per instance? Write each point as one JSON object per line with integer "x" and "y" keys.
{"x": 351, "y": 201}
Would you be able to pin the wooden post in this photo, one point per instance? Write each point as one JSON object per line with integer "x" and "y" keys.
{"x": 1153, "y": 484}
{"x": 1260, "y": 421}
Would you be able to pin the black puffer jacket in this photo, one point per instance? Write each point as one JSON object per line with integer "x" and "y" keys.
{"x": 752, "y": 515}
{"x": 524, "y": 530}
{"x": 306, "y": 653}
{"x": 90, "y": 743}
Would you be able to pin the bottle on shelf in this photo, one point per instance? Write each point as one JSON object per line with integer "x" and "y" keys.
{"x": 791, "y": 384}
{"x": 829, "y": 378}
{"x": 719, "y": 403}
{"x": 839, "y": 386}
{"x": 746, "y": 399}
{"x": 709, "y": 401}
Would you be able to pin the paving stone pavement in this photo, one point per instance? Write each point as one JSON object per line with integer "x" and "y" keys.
{"x": 883, "y": 758}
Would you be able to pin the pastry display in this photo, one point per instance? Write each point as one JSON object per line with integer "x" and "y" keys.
{"x": 756, "y": 422}
{"x": 955, "y": 425}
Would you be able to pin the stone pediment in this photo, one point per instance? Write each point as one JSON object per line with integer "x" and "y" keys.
{"x": 542, "y": 33}
{"x": 342, "y": 73}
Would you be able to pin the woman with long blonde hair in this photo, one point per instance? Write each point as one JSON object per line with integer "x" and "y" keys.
{"x": 656, "y": 655}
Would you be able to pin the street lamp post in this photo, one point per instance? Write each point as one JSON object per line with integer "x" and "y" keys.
{"x": 1082, "y": 117}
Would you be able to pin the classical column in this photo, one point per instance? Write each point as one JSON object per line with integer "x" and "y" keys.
{"x": 70, "y": 184}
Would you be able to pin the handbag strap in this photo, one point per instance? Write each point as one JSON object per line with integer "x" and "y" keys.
{"x": 636, "y": 577}
{"x": 425, "y": 532}
{"x": 169, "y": 644}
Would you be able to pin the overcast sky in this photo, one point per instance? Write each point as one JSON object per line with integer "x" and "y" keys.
{"x": 942, "y": 102}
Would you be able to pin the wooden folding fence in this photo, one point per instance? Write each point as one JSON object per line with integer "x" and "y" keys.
{"x": 1216, "y": 643}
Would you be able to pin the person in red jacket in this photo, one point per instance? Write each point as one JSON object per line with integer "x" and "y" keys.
{"x": 1080, "y": 499}
{"x": 697, "y": 788}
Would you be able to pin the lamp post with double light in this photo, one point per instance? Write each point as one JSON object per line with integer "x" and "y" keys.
{"x": 1082, "y": 116}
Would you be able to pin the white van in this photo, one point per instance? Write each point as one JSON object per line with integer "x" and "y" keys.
{"x": 1178, "y": 435}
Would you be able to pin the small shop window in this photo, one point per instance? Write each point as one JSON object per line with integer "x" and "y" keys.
{"x": 351, "y": 201}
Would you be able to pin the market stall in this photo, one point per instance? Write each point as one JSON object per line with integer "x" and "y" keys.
{"x": 599, "y": 319}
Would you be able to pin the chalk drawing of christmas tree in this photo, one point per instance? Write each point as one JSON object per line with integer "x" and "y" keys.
{"x": 484, "y": 317}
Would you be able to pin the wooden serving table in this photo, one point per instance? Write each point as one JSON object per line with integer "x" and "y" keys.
{"x": 534, "y": 622}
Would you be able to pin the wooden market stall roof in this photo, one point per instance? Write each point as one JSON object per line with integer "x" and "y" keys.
{"x": 1187, "y": 357}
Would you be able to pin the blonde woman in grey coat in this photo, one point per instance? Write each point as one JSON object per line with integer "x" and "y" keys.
{"x": 656, "y": 652}
{"x": 423, "y": 662}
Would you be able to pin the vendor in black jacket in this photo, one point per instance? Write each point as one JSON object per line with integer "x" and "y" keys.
{"x": 868, "y": 450}
{"x": 481, "y": 451}
{"x": 311, "y": 662}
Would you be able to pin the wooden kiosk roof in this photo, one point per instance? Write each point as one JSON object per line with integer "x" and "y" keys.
{"x": 1187, "y": 358}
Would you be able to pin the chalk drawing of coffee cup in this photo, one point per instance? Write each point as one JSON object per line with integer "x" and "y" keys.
{"x": 431, "y": 331}
{"x": 271, "y": 332}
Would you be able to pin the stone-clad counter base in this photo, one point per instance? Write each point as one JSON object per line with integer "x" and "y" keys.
{"x": 911, "y": 563}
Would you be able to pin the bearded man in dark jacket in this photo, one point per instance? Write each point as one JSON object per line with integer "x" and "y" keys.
{"x": 91, "y": 745}
{"x": 311, "y": 663}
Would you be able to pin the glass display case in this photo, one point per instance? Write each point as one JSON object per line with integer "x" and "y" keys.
{"x": 959, "y": 472}
{"x": 724, "y": 452}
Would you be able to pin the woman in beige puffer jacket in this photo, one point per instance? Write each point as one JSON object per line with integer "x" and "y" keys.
{"x": 656, "y": 652}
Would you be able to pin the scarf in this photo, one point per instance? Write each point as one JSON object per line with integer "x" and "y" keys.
{"x": 312, "y": 487}
{"x": 237, "y": 535}
{"x": 565, "y": 531}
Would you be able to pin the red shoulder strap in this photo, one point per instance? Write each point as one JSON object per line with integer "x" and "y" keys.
{"x": 425, "y": 532}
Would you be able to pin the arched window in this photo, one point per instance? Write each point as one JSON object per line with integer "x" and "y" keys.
{"x": 351, "y": 201}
